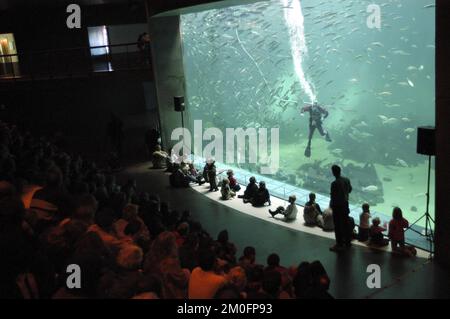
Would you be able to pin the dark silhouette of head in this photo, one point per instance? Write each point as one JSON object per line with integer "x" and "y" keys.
{"x": 223, "y": 237}
{"x": 397, "y": 213}
{"x": 336, "y": 171}
{"x": 273, "y": 260}
{"x": 228, "y": 291}
{"x": 250, "y": 252}
{"x": 206, "y": 259}
{"x": 54, "y": 177}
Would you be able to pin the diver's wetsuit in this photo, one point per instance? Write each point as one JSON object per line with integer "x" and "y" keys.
{"x": 315, "y": 122}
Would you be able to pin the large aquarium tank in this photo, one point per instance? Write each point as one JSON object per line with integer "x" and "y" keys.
{"x": 257, "y": 65}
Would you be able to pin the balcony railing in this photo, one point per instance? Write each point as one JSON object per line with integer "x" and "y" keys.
{"x": 73, "y": 62}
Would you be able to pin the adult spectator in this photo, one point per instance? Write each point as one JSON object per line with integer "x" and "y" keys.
{"x": 225, "y": 249}
{"x": 204, "y": 283}
{"x": 162, "y": 260}
{"x": 339, "y": 195}
{"x": 48, "y": 202}
{"x": 247, "y": 260}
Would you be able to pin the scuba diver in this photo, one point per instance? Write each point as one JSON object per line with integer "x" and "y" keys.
{"x": 315, "y": 122}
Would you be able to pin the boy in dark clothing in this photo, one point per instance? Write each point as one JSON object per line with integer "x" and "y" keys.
{"x": 261, "y": 197}
{"x": 250, "y": 190}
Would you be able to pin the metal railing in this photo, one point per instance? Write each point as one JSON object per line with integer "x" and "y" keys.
{"x": 73, "y": 62}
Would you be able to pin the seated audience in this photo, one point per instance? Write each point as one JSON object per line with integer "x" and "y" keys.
{"x": 270, "y": 286}
{"x": 226, "y": 191}
{"x": 250, "y": 190}
{"x": 188, "y": 252}
{"x": 47, "y": 203}
{"x": 311, "y": 281}
{"x": 233, "y": 182}
{"x": 123, "y": 281}
{"x": 273, "y": 263}
{"x": 80, "y": 214}
{"x": 261, "y": 197}
{"x": 225, "y": 249}
{"x": 247, "y": 260}
{"x": 312, "y": 211}
{"x": 363, "y": 233}
{"x": 194, "y": 174}
{"x": 228, "y": 291}
{"x": 238, "y": 278}
{"x": 162, "y": 260}
{"x": 181, "y": 233}
{"x": 204, "y": 283}
{"x": 376, "y": 236}
{"x": 290, "y": 213}
{"x": 178, "y": 178}
{"x": 325, "y": 221}
{"x": 131, "y": 216}
{"x": 149, "y": 287}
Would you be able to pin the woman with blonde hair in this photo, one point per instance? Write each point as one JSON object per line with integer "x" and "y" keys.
{"x": 162, "y": 260}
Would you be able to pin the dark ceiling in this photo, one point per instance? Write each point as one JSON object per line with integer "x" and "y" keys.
{"x": 8, "y": 4}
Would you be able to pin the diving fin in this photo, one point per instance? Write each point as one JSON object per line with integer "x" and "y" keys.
{"x": 308, "y": 151}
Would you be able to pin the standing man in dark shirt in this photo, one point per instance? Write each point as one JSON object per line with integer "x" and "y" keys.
{"x": 340, "y": 189}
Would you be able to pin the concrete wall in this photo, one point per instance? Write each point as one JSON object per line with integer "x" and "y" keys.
{"x": 168, "y": 72}
{"x": 443, "y": 133}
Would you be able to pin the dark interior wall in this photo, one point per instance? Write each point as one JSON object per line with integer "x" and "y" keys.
{"x": 81, "y": 109}
{"x": 125, "y": 33}
{"x": 443, "y": 132}
{"x": 44, "y": 28}
{"x": 41, "y": 29}
{"x": 168, "y": 73}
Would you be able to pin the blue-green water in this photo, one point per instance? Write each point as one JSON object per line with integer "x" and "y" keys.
{"x": 377, "y": 85}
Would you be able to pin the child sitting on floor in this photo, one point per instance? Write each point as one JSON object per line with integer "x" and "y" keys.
{"x": 250, "y": 190}
{"x": 261, "y": 197}
{"x": 233, "y": 183}
{"x": 363, "y": 233}
{"x": 226, "y": 191}
{"x": 312, "y": 211}
{"x": 325, "y": 221}
{"x": 397, "y": 233}
{"x": 290, "y": 213}
{"x": 376, "y": 233}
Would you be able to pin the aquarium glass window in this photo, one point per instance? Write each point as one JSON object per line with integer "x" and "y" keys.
{"x": 369, "y": 65}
